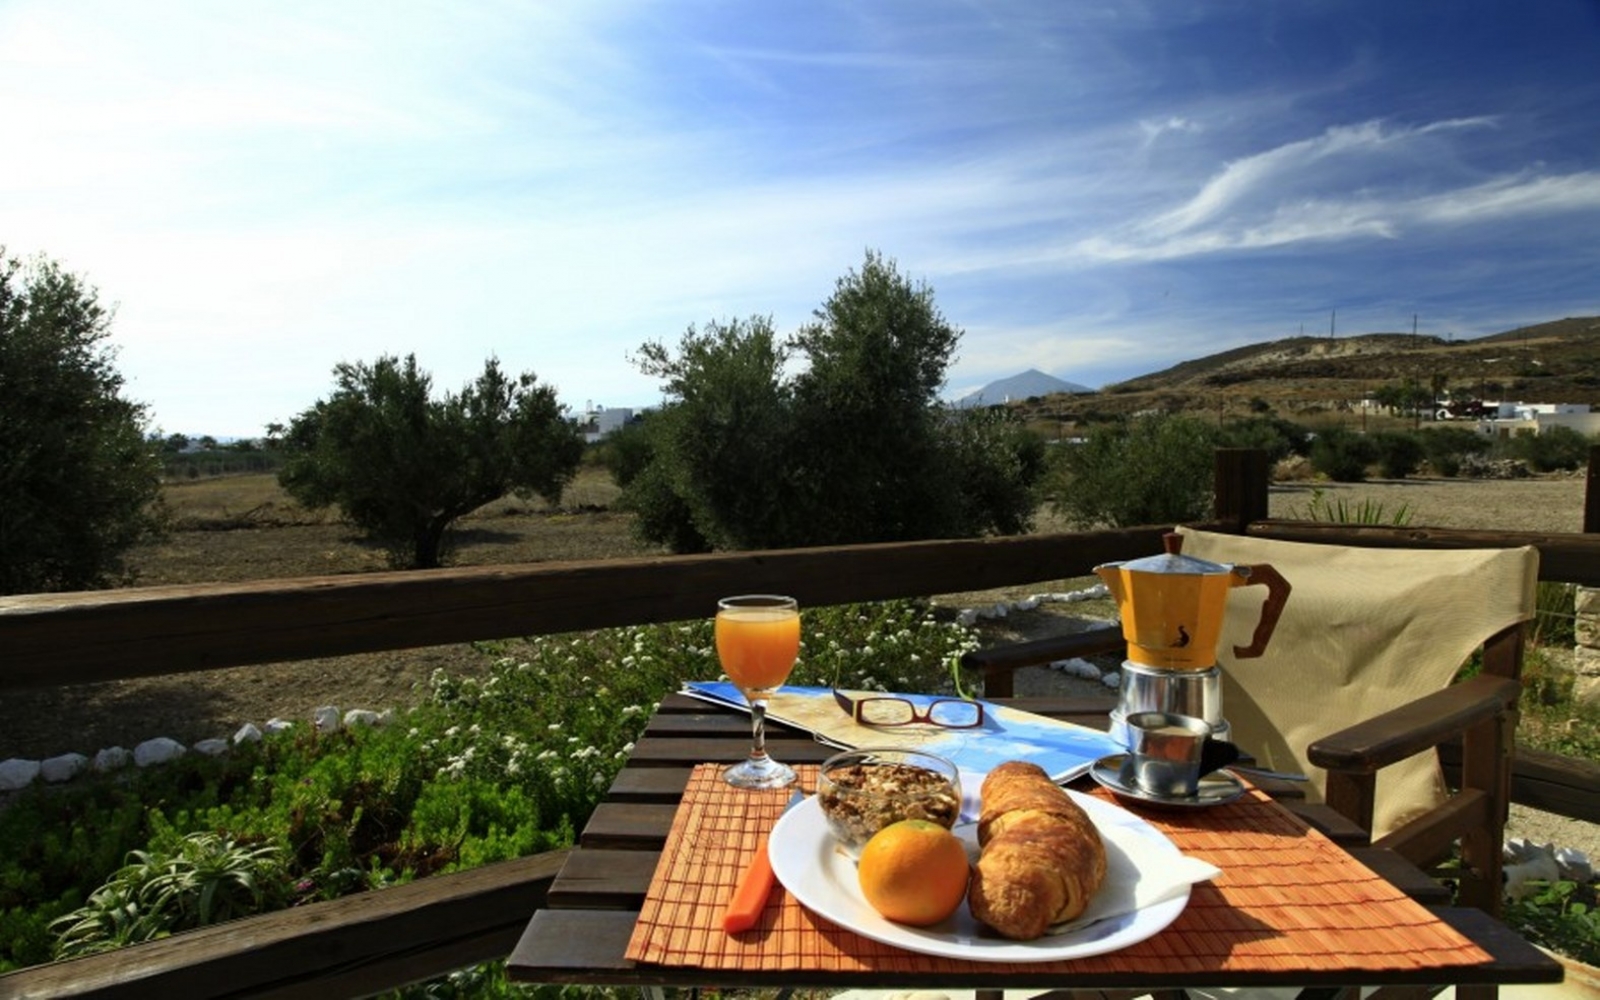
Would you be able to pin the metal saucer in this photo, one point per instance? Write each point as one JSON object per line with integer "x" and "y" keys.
{"x": 1215, "y": 788}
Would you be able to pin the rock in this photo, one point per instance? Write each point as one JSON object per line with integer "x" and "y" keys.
{"x": 212, "y": 748}
{"x": 1586, "y": 601}
{"x": 113, "y": 759}
{"x": 361, "y": 717}
{"x": 326, "y": 719}
{"x": 1026, "y": 604}
{"x": 276, "y": 725}
{"x": 17, "y": 773}
{"x": 1112, "y": 679}
{"x": 63, "y": 768}
{"x": 1522, "y": 878}
{"x": 1574, "y": 864}
{"x": 248, "y": 733}
{"x": 157, "y": 751}
{"x": 967, "y": 617}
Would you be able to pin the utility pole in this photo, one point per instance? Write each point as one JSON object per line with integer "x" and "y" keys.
{"x": 1332, "y": 315}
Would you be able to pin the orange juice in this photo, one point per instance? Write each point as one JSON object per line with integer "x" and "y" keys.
{"x": 757, "y": 646}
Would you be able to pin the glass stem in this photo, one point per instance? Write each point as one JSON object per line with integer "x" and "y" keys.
{"x": 758, "y": 729}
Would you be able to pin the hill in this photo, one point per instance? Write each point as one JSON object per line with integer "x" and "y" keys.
{"x": 1555, "y": 362}
{"x": 1027, "y": 385}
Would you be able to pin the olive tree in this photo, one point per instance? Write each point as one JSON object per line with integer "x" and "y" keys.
{"x": 404, "y": 466}
{"x": 853, "y": 447}
{"x": 1152, "y": 469}
{"x": 79, "y": 481}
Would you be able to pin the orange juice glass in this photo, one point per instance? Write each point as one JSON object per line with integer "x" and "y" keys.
{"x": 758, "y": 640}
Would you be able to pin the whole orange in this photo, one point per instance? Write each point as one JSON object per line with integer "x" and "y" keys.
{"x": 913, "y": 872}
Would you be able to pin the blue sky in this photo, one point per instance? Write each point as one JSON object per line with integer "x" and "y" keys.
{"x": 1096, "y": 190}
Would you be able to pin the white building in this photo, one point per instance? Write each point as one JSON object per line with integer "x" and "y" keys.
{"x": 602, "y": 420}
{"x": 1514, "y": 418}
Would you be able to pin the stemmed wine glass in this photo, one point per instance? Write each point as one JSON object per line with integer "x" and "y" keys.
{"x": 758, "y": 639}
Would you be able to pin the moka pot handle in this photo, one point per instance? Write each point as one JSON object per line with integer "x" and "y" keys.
{"x": 1278, "y": 589}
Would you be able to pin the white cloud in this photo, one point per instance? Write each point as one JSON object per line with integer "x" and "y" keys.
{"x": 1342, "y": 184}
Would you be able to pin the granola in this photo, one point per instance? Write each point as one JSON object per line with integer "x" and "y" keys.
{"x": 861, "y": 799}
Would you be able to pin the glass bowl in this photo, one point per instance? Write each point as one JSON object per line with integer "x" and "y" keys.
{"x": 863, "y": 791}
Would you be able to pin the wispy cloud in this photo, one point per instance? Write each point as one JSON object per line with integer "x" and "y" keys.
{"x": 1350, "y": 182}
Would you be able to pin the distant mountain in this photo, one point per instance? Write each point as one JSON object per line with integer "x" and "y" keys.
{"x": 1018, "y": 388}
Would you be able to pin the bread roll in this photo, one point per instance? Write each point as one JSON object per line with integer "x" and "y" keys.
{"x": 1042, "y": 859}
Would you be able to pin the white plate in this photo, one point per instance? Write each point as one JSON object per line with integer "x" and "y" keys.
{"x": 806, "y": 860}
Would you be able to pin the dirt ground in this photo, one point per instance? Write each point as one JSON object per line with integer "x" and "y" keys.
{"x": 39, "y": 724}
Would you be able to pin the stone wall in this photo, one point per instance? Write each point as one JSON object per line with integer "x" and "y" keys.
{"x": 1586, "y": 658}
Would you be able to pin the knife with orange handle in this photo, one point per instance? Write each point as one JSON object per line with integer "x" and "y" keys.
{"x": 750, "y": 896}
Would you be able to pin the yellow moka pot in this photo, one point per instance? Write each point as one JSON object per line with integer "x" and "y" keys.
{"x": 1172, "y": 606}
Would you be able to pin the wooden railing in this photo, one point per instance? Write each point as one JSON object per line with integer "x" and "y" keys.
{"x": 399, "y": 935}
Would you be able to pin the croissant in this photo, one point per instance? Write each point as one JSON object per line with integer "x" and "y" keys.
{"x": 1042, "y": 858}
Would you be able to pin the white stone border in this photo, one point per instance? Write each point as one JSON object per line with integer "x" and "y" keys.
{"x": 18, "y": 773}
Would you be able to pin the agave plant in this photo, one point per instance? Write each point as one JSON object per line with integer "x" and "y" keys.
{"x": 1341, "y": 511}
{"x": 204, "y": 880}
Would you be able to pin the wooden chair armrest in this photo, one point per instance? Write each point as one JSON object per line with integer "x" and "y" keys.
{"x": 999, "y": 662}
{"x": 1419, "y": 725}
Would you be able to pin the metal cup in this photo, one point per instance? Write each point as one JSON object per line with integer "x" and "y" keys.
{"x": 1167, "y": 754}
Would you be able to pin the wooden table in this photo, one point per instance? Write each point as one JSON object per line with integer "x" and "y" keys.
{"x": 582, "y": 935}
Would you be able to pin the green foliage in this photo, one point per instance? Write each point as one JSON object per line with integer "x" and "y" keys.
{"x": 1561, "y": 916}
{"x": 403, "y": 467}
{"x": 855, "y": 447}
{"x": 723, "y": 454}
{"x": 1555, "y": 616}
{"x": 1399, "y": 453}
{"x": 1277, "y": 437}
{"x": 1551, "y": 449}
{"x": 1447, "y": 448}
{"x": 1147, "y": 470}
{"x": 78, "y": 481}
{"x": 1341, "y": 511}
{"x": 199, "y": 879}
{"x": 1343, "y": 456}
{"x": 238, "y": 457}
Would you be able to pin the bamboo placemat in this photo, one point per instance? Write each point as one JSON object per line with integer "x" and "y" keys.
{"x": 1288, "y": 900}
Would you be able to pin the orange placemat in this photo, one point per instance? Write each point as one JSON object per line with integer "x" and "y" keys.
{"x": 1288, "y": 900}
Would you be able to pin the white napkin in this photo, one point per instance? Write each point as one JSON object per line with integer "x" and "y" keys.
{"x": 1141, "y": 871}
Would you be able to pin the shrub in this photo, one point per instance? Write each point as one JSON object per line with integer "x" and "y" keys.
{"x": 1342, "y": 456}
{"x": 1399, "y": 453}
{"x": 1446, "y": 448}
{"x": 1551, "y": 449}
{"x": 1148, "y": 470}
{"x": 1277, "y": 437}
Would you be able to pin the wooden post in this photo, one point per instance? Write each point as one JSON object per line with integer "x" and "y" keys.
{"x": 1241, "y": 487}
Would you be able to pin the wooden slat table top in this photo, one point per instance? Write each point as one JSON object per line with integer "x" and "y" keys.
{"x": 582, "y": 934}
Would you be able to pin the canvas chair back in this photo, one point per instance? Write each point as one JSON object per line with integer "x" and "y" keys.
{"x": 1365, "y": 630}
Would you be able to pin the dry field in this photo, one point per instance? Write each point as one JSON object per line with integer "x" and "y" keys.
{"x": 270, "y": 537}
